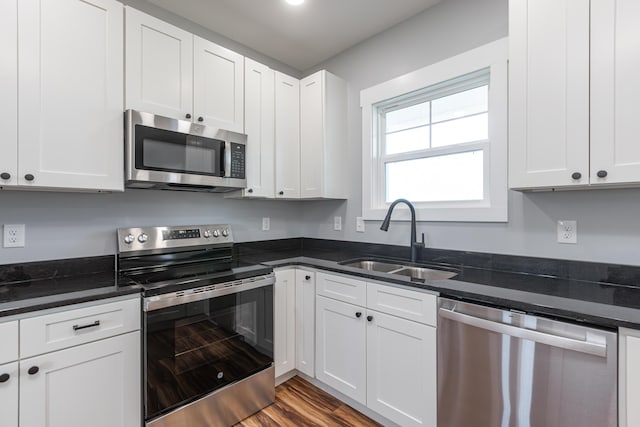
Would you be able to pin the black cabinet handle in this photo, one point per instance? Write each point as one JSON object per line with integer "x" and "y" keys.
{"x": 90, "y": 325}
{"x": 602, "y": 174}
{"x": 250, "y": 190}
{"x": 29, "y": 177}
{"x": 201, "y": 119}
{"x": 4, "y": 378}
{"x": 33, "y": 370}
{"x": 369, "y": 318}
{"x": 5, "y": 175}
{"x": 281, "y": 193}
{"x": 307, "y": 277}
{"x": 576, "y": 175}
{"x": 188, "y": 116}
{"x": 358, "y": 314}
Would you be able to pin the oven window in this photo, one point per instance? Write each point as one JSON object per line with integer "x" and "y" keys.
{"x": 163, "y": 150}
{"x": 196, "y": 348}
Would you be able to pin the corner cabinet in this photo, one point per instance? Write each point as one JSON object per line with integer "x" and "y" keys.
{"x": 64, "y": 123}
{"x": 572, "y": 94}
{"x": 323, "y": 136}
{"x": 74, "y": 368}
{"x": 173, "y": 73}
{"x": 359, "y": 327}
{"x": 287, "y": 136}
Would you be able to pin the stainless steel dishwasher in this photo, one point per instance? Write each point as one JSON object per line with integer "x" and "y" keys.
{"x": 499, "y": 368}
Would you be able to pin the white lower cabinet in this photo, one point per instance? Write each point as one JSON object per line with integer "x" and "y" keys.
{"x": 629, "y": 378}
{"x": 305, "y": 307}
{"x": 284, "y": 321}
{"x": 96, "y": 384}
{"x": 92, "y": 377}
{"x": 9, "y": 374}
{"x": 383, "y": 358}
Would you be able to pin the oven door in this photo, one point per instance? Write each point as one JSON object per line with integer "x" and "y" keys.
{"x": 195, "y": 348}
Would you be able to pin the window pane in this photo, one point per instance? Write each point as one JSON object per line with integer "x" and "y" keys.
{"x": 432, "y": 179}
{"x": 461, "y": 104}
{"x": 474, "y": 128}
{"x": 407, "y": 140}
{"x": 405, "y": 118}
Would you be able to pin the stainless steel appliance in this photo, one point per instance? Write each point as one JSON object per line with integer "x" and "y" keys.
{"x": 169, "y": 154}
{"x": 208, "y": 325}
{"x": 499, "y": 368}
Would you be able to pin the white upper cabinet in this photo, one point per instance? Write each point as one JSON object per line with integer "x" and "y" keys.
{"x": 259, "y": 123}
{"x": 9, "y": 92}
{"x": 287, "y": 134}
{"x": 323, "y": 136}
{"x": 173, "y": 73}
{"x": 70, "y": 86}
{"x": 218, "y": 86}
{"x": 159, "y": 66}
{"x": 573, "y": 93}
{"x": 548, "y": 93}
{"x": 615, "y": 90}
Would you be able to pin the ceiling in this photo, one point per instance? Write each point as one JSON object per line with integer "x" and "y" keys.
{"x": 299, "y": 36}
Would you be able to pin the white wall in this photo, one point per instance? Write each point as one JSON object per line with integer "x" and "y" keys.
{"x": 608, "y": 220}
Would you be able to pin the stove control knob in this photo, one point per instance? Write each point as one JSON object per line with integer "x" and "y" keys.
{"x": 216, "y": 233}
{"x": 143, "y": 238}
{"x": 129, "y": 239}
{"x": 225, "y": 232}
{"x": 207, "y": 234}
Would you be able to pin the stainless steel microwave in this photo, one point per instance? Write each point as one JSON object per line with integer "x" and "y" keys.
{"x": 170, "y": 154}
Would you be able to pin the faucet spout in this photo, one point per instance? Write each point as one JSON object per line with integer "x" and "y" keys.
{"x": 413, "y": 244}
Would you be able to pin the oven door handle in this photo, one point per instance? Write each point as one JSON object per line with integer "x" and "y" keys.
{"x": 172, "y": 299}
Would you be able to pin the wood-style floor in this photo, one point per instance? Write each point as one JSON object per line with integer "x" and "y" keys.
{"x": 299, "y": 403}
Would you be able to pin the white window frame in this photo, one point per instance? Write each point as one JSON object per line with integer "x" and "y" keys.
{"x": 493, "y": 208}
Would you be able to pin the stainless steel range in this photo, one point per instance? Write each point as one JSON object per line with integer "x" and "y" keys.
{"x": 208, "y": 325}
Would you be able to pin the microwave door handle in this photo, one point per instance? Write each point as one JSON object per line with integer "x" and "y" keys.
{"x": 226, "y": 159}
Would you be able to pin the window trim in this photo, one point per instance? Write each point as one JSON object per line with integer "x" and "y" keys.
{"x": 492, "y": 209}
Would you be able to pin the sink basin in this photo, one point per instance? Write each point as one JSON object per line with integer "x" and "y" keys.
{"x": 418, "y": 273}
{"x": 380, "y": 266}
{"x": 425, "y": 273}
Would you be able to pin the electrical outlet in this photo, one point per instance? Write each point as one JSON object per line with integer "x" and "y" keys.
{"x": 567, "y": 231}
{"x": 337, "y": 223}
{"x": 266, "y": 224}
{"x": 359, "y": 224}
{"x": 14, "y": 235}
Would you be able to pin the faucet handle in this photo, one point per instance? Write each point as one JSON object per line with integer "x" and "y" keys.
{"x": 420, "y": 244}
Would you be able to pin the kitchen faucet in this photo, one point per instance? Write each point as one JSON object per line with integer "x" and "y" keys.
{"x": 414, "y": 244}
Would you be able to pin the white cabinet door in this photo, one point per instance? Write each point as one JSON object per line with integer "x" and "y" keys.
{"x": 159, "y": 66}
{"x": 95, "y": 384}
{"x": 615, "y": 90}
{"x": 341, "y": 347}
{"x": 401, "y": 370}
{"x": 284, "y": 321}
{"x": 259, "y": 124}
{"x": 9, "y": 375}
{"x": 287, "y": 101}
{"x": 305, "y": 321}
{"x": 629, "y": 377}
{"x": 312, "y": 136}
{"x": 70, "y": 90}
{"x": 9, "y": 92}
{"x": 218, "y": 86}
{"x": 548, "y": 93}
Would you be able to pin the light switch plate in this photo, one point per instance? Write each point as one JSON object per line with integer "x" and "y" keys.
{"x": 359, "y": 224}
{"x": 14, "y": 235}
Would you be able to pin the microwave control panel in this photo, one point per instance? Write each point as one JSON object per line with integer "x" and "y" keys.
{"x": 237, "y": 161}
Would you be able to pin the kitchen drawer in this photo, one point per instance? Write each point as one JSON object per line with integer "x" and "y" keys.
{"x": 342, "y": 288}
{"x": 417, "y": 306}
{"x": 56, "y": 331}
{"x": 9, "y": 340}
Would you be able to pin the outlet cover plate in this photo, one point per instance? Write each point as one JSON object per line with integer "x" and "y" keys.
{"x": 266, "y": 224}
{"x": 360, "y": 224}
{"x": 14, "y": 235}
{"x": 567, "y": 231}
{"x": 337, "y": 223}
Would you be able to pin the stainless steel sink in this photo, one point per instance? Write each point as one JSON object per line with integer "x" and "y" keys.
{"x": 368, "y": 265}
{"x": 425, "y": 273}
{"x": 419, "y": 273}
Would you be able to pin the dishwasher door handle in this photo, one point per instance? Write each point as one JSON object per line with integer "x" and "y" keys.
{"x": 593, "y": 348}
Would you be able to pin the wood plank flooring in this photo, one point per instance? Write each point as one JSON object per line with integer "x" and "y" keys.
{"x": 299, "y": 403}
